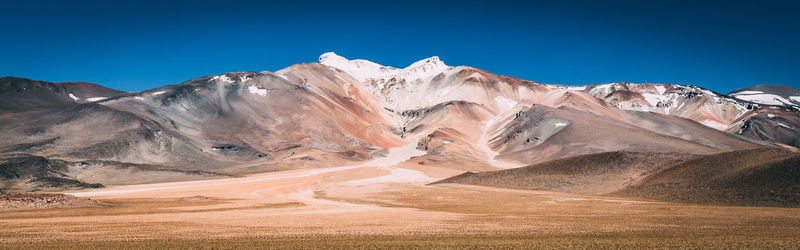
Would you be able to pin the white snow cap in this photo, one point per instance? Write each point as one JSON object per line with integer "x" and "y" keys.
{"x": 363, "y": 70}
{"x": 94, "y": 99}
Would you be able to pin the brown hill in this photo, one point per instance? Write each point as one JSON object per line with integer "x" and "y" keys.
{"x": 599, "y": 173}
{"x": 757, "y": 177}
{"x": 21, "y": 93}
{"x": 761, "y": 177}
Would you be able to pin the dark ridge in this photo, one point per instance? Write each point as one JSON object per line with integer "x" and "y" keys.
{"x": 24, "y": 172}
{"x": 21, "y": 93}
{"x": 756, "y": 177}
{"x": 780, "y": 90}
{"x": 759, "y": 177}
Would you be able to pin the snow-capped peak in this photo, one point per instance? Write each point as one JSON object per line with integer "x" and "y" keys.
{"x": 395, "y": 86}
{"x": 364, "y": 70}
{"x": 431, "y": 62}
{"x": 426, "y": 68}
{"x": 359, "y": 69}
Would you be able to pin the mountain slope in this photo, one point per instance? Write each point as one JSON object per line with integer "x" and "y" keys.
{"x": 695, "y": 103}
{"x": 770, "y": 124}
{"x": 757, "y": 177}
{"x": 20, "y": 93}
{"x": 778, "y": 95}
{"x": 735, "y": 113}
{"x": 543, "y": 133}
{"x": 207, "y": 123}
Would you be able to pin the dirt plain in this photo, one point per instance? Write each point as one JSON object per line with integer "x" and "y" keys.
{"x": 384, "y": 206}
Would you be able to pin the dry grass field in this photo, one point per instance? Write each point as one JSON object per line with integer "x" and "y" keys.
{"x": 385, "y": 203}
{"x": 403, "y": 216}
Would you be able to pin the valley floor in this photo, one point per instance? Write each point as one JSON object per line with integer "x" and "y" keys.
{"x": 383, "y": 203}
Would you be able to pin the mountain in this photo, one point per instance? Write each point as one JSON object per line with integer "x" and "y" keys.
{"x": 777, "y": 117}
{"x": 205, "y": 123}
{"x": 20, "y": 93}
{"x": 338, "y": 111}
{"x": 735, "y": 113}
{"x": 778, "y": 95}
{"x": 695, "y": 103}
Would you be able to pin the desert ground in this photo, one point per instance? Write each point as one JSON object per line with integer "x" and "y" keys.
{"x": 383, "y": 203}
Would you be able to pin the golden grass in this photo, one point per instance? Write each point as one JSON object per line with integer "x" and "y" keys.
{"x": 650, "y": 240}
{"x": 491, "y": 218}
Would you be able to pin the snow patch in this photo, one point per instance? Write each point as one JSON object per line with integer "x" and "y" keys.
{"x": 795, "y": 98}
{"x": 651, "y": 98}
{"x": 223, "y": 78}
{"x": 660, "y": 89}
{"x": 74, "y": 97}
{"x": 784, "y": 125}
{"x": 748, "y": 92}
{"x": 576, "y": 88}
{"x": 94, "y": 99}
{"x": 603, "y": 89}
{"x": 257, "y": 90}
{"x": 446, "y": 142}
{"x": 159, "y": 92}
{"x": 138, "y": 98}
{"x": 504, "y": 103}
{"x": 768, "y": 99}
{"x": 560, "y": 124}
{"x": 770, "y": 115}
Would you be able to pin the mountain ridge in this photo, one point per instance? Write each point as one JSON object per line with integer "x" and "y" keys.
{"x": 339, "y": 111}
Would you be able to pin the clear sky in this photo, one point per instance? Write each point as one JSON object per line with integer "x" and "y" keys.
{"x": 138, "y": 45}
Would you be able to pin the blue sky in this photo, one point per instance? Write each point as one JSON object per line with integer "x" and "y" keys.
{"x": 138, "y": 45}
